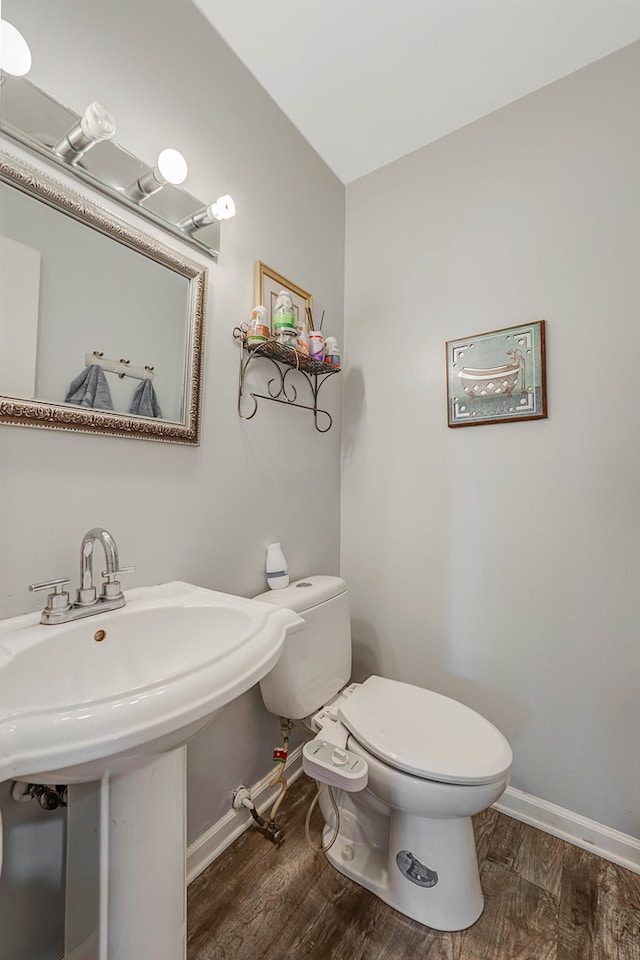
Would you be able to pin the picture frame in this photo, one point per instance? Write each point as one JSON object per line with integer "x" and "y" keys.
{"x": 268, "y": 283}
{"x": 497, "y": 377}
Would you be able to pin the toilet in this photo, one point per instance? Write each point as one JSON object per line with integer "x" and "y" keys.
{"x": 408, "y": 767}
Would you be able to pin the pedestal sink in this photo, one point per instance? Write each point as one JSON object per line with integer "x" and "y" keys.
{"x": 106, "y": 704}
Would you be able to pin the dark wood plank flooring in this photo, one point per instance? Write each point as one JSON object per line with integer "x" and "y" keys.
{"x": 544, "y": 900}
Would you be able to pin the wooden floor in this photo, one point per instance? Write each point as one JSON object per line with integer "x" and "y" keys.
{"x": 544, "y": 900}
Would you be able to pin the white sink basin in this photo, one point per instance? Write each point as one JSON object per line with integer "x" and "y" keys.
{"x": 76, "y": 705}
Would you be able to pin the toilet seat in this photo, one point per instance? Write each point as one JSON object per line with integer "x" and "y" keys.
{"x": 424, "y": 733}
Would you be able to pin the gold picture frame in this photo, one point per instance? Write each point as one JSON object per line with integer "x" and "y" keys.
{"x": 268, "y": 284}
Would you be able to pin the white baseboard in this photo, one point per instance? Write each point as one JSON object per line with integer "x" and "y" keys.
{"x": 595, "y": 837}
{"x": 217, "y": 838}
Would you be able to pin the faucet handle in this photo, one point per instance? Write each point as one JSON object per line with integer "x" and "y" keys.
{"x": 111, "y": 589}
{"x": 56, "y": 601}
{"x": 56, "y": 584}
{"x": 110, "y": 575}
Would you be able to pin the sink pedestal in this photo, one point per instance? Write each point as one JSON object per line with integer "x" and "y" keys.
{"x": 126, "y": 884}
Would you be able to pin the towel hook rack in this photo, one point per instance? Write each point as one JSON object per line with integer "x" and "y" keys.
{"x": 122, "y": 367}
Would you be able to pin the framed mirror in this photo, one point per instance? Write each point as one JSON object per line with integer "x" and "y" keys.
{"x": 101, "y": 326}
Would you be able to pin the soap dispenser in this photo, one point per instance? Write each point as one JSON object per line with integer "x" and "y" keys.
{"x": 277, "y": 571}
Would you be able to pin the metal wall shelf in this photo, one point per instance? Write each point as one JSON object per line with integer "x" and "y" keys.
{"x": 280, "y": 388}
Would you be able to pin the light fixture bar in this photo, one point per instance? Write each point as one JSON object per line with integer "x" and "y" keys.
{"x": 104, "y": 175}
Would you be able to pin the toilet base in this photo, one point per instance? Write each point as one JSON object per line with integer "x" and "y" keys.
{"x": 425, "y": 869}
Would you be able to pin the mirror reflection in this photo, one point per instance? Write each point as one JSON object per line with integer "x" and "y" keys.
{"x": 74, "y": 291}
{"x": 95, "y": 318}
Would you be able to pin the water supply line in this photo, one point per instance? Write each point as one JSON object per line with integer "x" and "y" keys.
{"x": 242, "y": 796}
{"x": 280, "y": 755}
{"x": 321, "y": 847}
{"x": 242, "y": 799}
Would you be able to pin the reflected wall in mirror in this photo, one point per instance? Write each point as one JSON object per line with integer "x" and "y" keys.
{"x": 101, "y": 327}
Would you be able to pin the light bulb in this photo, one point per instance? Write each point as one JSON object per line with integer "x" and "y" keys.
{"x": 15, "y": 55}
{"x": 97, "y": 123}
{"x": 224, "y": 208}
{"x": 94, "y": 125}
{"x": 172, "y": 166}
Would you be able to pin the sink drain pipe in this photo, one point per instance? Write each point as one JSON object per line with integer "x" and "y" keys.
{"x": 49, "y": 796}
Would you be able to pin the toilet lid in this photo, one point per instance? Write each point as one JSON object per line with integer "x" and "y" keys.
{"x": 425, "y": 733}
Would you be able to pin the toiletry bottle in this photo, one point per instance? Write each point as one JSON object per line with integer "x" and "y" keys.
{"x": 316, "y": 345}
{"x": 284, "y": 318}
{"x": 257, "y": 328}
{"x": 331, "y": 351}
{"x": 276, "y": 567}
{"x": 302, "y": 345}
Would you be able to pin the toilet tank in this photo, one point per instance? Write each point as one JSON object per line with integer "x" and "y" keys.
{"x": 316, "y": 661}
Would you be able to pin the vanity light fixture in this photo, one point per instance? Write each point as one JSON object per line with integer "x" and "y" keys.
{"x": 15, "y": 55}
{"x": 223, "y": 209}
{"x": 171, "y": 167}
{"x": 94, "y": 125}
{"x": 54, "y": 131}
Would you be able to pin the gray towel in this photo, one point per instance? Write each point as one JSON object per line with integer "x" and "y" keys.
{"x": 90, "y": 389}
{"x": 145, "y": 403}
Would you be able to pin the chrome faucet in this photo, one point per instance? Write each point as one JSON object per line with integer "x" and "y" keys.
{"x": 86, "y": 594}
{"x": 59, "y": 608}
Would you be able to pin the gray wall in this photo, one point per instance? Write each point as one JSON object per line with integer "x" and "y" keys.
{"x": 206, "y": 514}
{"x": 499, "y": 565}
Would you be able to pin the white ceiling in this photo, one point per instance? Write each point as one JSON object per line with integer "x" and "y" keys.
{"x": 367, "y": 81}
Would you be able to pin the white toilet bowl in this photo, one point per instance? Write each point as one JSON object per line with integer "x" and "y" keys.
{"x": 408, "y": 837}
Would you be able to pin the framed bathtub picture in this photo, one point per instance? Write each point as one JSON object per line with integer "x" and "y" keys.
{"x": 497, "y": 377}
{"x": 268, "y": 283}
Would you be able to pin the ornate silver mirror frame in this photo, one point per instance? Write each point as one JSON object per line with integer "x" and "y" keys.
{"x": 63, "y": 416}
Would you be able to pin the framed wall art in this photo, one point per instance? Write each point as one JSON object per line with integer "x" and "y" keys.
{"x": 497, "y": 377}
{"x": 269, "y": 283}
